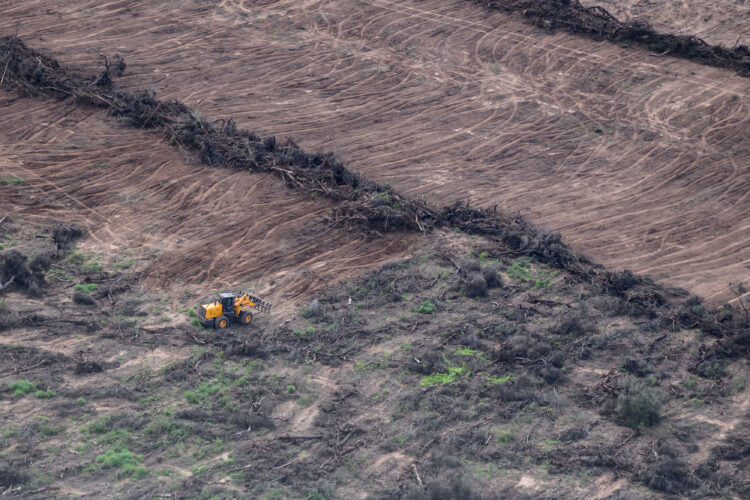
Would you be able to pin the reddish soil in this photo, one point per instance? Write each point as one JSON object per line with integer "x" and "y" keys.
{"x": 641, "y": 162}
{"x": 180, "y": 222}
{"x": 722, "y": 22}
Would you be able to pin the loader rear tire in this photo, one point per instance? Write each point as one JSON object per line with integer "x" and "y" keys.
{"x": 246, "y": 317}
{"x": 221, "y": 322}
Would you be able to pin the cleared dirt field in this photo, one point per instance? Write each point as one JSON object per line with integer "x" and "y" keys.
{"x": 721, "y": 22}
{"x": 641, "y": 162}
{"x": 480, "y": 360}
{"x": 183, "y": 224}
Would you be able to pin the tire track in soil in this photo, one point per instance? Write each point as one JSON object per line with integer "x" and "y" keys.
{"x": 640, "y": 162}
{"x": 190, "y": 224}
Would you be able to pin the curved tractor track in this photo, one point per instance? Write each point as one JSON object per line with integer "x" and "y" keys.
{"x": 641, "y": 162}
{"x": 182, "y": 223}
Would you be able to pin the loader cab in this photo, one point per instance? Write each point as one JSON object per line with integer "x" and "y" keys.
{"x": 227, "y": 303}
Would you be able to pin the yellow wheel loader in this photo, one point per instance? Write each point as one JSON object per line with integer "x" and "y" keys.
{"x": 226, "y": 309}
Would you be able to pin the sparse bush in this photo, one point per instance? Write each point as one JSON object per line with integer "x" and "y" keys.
{"x": 574, "y": 325}
{"x": 64, "y": 234}
{"x": 83, "y": 299}
{"x": 635, "y": 366}
{"x": 470, "y": 340}
{"x": 452, "y": 489}
{"x": 638, "y": 406}
{"x": 712, "y": 368}
{"x": 606, "y": 304}
{"x": 552, "y": 374}
{"x": 471, "y": 266}
{"x": 14, "y": 266}
{"x": 670, "y": 476}
{"x": 313, "y": 310}
{"x": 8, "y": 317}
{"x": 426, "y": 362}
{"x": 492, "y": 277}
{"x": 476, "y": 286}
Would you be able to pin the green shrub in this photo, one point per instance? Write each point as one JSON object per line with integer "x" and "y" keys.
{"x": 519, "y": 270}
{"x": 22, "y": 387}
{"x": 44, "y": 394}
{"x": 427, "y": 307}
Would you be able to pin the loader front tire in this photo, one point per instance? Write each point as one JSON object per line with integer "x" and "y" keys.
{"x": 246, "y": 317}
{"x": 221, "y": 322}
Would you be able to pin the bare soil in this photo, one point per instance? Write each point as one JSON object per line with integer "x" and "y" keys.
{"x": 180, "y": 223}
{"x": 457, "y": 363}
{"x": 640, "y": 162}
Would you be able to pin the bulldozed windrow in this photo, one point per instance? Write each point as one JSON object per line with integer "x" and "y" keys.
{"x": 598, "y": 23}
{"x": 359, "y": 202}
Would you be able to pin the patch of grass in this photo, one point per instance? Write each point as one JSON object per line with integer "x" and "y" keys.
{"x": 99, "y": 426}
{"x": 499, "y": 380}
{"x": 22, "y": 386}
{"x": 454, "y": 373}
{"x": 11, "y": 181}
{"x": 427, "y": 307}
{"x": 117, "y": 438}
{"x": 401, "y": 439}
{"x": 690, "y": 383}
{"x": 122, "y": 459}
{"x": 86, "y": 288}
{"x": 161, "y": 426}
{"x": 200, "y": 470}
{"x": 698, "y": 403}
{"x": 543, "y": 282}
{"x": 467, "y": 352}
{"x": 123, "y": 264}
{"x": 368, "y": 366}
{"x": 306, "y": 400}
{"x": 291, "y": 389}
{"x": 50, "y": 430}
{"x": 91, "y": 268}
{"x": 519, "y": 270}
{"x": 44, "y": 394}
{"x": 505, "y": 438}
